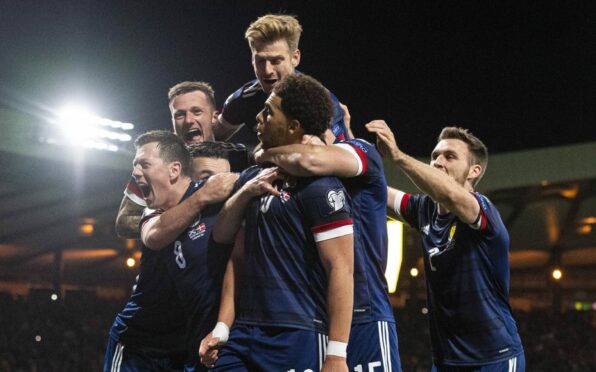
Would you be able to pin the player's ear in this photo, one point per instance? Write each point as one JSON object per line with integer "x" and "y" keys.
{"x": 175, "y": 169}
{"x": 474, "y": 172}
{"x": 294, "y": 126}
{"x": 295, "y": 58}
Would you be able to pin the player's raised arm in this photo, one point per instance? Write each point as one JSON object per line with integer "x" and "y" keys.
{"x": 159, "y": 231}
{"x": 432, "y": 179}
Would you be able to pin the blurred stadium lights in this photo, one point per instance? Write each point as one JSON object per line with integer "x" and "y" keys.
{"x": 80, "y": 128}
{"x": 395, "y": 234}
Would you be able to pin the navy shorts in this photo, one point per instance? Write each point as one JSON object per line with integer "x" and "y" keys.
{"x": 373, "y": 347}
{"x": 513, "y": 364}
{"x": 255, "y": 348}
{"x": 121, "y": 358}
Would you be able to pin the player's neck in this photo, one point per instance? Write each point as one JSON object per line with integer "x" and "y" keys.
{"x": 177, "y": 192}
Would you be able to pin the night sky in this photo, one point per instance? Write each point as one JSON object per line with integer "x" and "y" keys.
{"x": 519, "y": 75}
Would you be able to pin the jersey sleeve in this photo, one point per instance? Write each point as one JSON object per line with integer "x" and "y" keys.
{"x": 240, "y": 104}
{"x": 133, "y": 193}
{"x": 326, "y": 206}
{"x": 148, "y": 214}
{"x": 406, "y": 206}
{"x": 489, "y": 220}
{"x": 358, "y": 154}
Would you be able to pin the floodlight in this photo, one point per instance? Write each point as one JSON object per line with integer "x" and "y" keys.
{"x": 79, "y": 127}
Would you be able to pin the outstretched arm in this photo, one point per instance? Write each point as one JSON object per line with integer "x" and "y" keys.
{"x": 163, "y": 229}
{"x": 437, "y": 184}
{"x": 313, "y": 160}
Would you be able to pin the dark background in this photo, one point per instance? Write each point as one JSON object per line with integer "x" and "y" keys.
{"x": 520, "y": 75}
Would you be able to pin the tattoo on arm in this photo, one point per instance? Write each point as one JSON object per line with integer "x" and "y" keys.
{"x": 127, "y": 221}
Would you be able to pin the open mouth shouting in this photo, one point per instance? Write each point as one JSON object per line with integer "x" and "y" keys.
{"x": 146, "y": 191}
{"x": 194, "y": 135}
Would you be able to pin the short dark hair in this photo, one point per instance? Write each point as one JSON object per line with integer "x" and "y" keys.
{"x": 171, "y": 147}
{"x": 208, "y": 149}
{"x": 305, "y": 99}
{"x": 192, "y": 86}
{"x": 477, "y": 149}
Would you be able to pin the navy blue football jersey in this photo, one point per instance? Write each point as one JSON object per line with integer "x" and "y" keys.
{"x": 243, "y": 105}
{"x": 368, "y": 192}
{"x": 153, "y": 316}
{"x": 467, "y": 271}
{"x": 284, "y": 283}
{"x": 197, "y": 265}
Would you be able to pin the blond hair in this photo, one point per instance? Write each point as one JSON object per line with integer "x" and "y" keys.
{"x": 272, "y": 27}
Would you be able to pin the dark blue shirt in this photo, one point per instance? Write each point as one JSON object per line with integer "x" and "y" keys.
{"x": 197, "y": 265}
{"x": 368, "y": 192}
{"x": 153, "y": 317}
{"x": 284, "y": 283}
{"x": 467, "y": 271}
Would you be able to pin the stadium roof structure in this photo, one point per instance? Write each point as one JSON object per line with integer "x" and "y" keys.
{"x": 59, "y": 206}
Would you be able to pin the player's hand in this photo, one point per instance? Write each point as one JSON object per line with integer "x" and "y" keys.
{"x": 385, "y": 140}
{"x": 335, "y": 364}
{"x": 208, "y": 350}
{"x": 311, "y": 139}
{"x": 347, "y": 117}
{"x": 263, "y": 182}
{"x": 217, "y": 188}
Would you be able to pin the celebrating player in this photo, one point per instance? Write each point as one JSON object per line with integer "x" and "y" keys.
{"x": 273, "y": 41}
{"x": 162, "y": 171}
{"x": 466, "y": 253}
{"x": 373, "y": 338}
{"x": 296, "y": 283}
{"x": 192, "y": 106}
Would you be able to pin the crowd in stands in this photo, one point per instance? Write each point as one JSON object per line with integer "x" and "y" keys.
{"x": 39, "y": 334}
{"x": 73, "y": 332}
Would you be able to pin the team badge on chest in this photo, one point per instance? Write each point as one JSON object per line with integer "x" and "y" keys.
{"x": 197, "y": 229}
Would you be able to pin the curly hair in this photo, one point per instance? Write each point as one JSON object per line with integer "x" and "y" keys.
{"x": 305, "y": 99}
{"x": 171, "y": 147}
